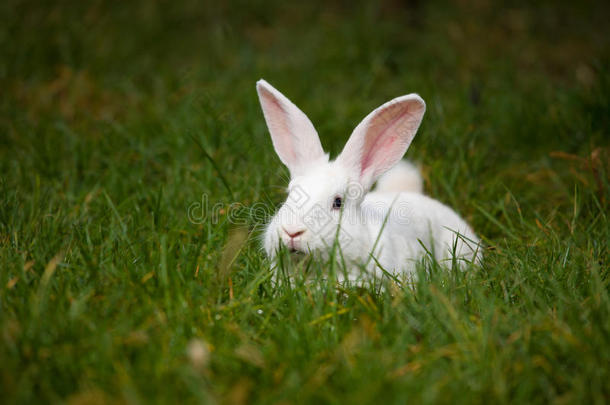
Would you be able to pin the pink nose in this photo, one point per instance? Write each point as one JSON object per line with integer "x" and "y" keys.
{"x": 294, "y": 234}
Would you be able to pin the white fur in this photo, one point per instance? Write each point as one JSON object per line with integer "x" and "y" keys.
{"x": 404, "y": 176}
{"x": 392, "y": 225}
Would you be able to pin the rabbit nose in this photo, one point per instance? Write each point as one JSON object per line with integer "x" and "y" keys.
{"x": 295, "y": 233}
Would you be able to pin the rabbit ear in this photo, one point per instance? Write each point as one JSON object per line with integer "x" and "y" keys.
{"x": 294, "y": 138}
{"x": 382, "y": 138}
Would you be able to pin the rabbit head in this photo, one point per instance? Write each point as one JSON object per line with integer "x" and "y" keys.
{"x": 324, "y": 197}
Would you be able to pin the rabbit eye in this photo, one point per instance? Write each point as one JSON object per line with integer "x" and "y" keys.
{"x": 338, "y": 203}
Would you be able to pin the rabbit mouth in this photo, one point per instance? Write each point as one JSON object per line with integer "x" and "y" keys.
{"x": 297, "y": 257}
{"x": 296, "y": 252}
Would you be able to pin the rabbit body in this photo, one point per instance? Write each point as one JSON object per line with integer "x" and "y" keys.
{"x": 417, "y": 225}
{"x": 329, "y": 205}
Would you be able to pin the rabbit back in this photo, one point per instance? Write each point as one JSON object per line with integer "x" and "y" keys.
{"x": 408, "y": 226}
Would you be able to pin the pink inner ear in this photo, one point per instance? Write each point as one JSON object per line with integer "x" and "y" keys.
{"x": 279, "y": 127}
{"x": 381, "y": 145}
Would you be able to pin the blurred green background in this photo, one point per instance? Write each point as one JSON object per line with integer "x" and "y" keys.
{"x": 516, "y": 81}
{"x": 109, "y": 108}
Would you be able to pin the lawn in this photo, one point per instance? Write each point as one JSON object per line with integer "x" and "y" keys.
{"x": 133, "y": 149}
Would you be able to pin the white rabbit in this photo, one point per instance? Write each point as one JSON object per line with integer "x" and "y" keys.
{"x": 329, "y": 203}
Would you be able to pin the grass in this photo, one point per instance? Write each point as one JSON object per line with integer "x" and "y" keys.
{"x": 115, "y": 118}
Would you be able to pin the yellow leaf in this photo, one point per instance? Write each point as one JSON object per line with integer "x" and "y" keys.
{"x": 11, "y": 283}
{"x": 147, "y": 277}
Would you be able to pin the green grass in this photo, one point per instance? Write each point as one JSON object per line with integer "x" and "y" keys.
{"x": 105, "y": 284}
